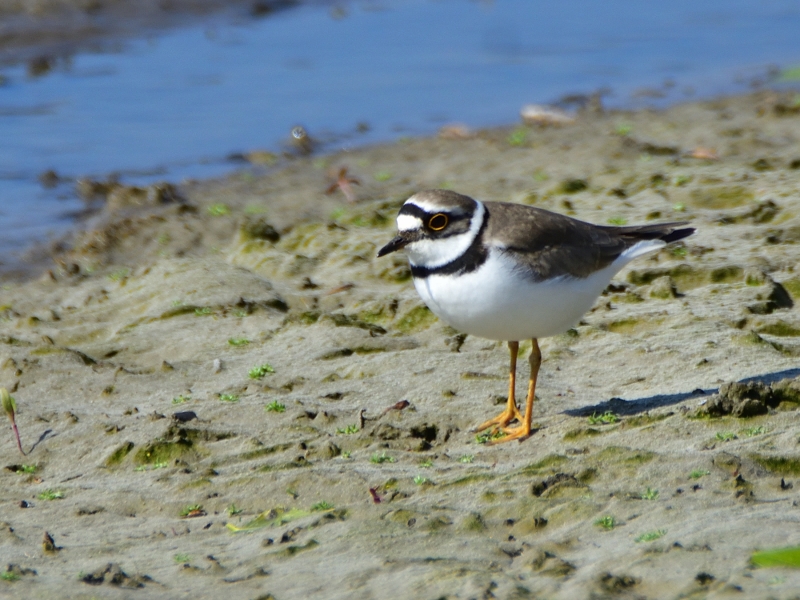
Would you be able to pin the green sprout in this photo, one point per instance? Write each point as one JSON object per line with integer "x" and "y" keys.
{"x": 119, "y": 274}
{"x": 219, "y": 210}
{"x": 10, "y": 407}
{"x": 232, "y": 510}
{"x": 320, "y": 506}
{"x": 604, "y": 419}
{"x": 181, "y": 399}
{"x": 51, "y": 495}
{"x": 725, "y": 436}
{"x": 383, "y": 176}
{"x": 651, "y": 536}
{"x": 426, "y": 464}
{"x": 275, "y": 406}
{"x": 489, "y": 436}
{"x": 753, "y": 431}
{"x": 381, "y": 458}
{"x": 698, "y": 473}
{"x": 9, "y": 576}
{"x": 182, "y": 558}
{"x": 238, "y": 341}
{"x": 679, "y": 207}
{"x": 228, "y": 398}
{"x": 420, "y": 480}
{"x": 518, "y": 137}
{"x": 203, "y": 312}
{"x": 346, "y": 454}
{"x": 649, "y": 494}
{"x": 191, "y": 508}
{"x": 606, "y": 522}
{"x": 618, "y": 221}
{"x": 349, "y": 430}
{"x": 260, "y": 371}
{"x": 679, "y": 251}
{"x": 466, "y": 459}
{"x": 623, "y": 129}
{"x": 26, "y": 469}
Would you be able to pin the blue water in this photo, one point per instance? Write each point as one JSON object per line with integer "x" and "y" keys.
{"x": 174, "y": 104}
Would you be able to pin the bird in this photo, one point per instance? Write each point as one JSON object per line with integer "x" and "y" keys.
{"x": 511, "y": 272}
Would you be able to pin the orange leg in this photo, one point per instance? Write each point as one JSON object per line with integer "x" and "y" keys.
{"x": 523, "y": 430}
{"x": 511, "y": 411}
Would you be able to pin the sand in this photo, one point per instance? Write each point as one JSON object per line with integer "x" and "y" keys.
{"x": 164, "y": 463}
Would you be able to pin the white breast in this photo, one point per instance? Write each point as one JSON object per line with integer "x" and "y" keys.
{"x": 496, "y": 302}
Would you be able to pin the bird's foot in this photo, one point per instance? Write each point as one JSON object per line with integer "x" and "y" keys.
{"x": 501, "y": 420}
{"x": 520, "y": 432}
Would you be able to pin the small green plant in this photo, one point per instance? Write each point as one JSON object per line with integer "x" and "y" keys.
{"x": 606, "y": 522}
{"x": 293, "y": 493}
{"x": 489, "y": 436}
{"x": 349, "y": 430}
{"x": 466, "y": 459}
{"x": 232, "y": 510}
{"x": 10, "y": 408}
{"x": 649, "y": 494}
{"x": 191, "y": 509}
{"x": 518, "y": 137}
{"x": 651, "y": 536}
{"x": 219, "y": 210}
{"x": 679, "y": 251}
{"x": 182, "y": 558}
{"x": 606, "y": 418}
{"x": 753, "y": 431}
{"x": 26, "y": 469}
{"x": 420, "y": 480}
{"x": 698, "y": 473}
{"x": 238, "y": 342}
{"x": 679, "y": 207}
{"x": 9, "y": 576}
{"x": 181, "y": 399}
{"x": 275, "y": 406}
{"x": 381, "y": 458}
{"x": 623, "y": 129}
{"x": 346, "y": 454}
{"x": 203, "y": 311}
{"x": 383, "y": 176}
{"x": 51, "y": 495}
{"x": 229, "y": 398}
{"x": 426, "y": 464}
{"x": 320, "y": 506}
{"x": 119, "y": 274}
{"x": 618, "y": 221}
{"x": 725, "y": 436}
{"x": 260, "y": 371}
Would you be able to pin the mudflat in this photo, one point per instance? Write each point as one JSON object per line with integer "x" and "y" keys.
{"x": 222, "y": 391}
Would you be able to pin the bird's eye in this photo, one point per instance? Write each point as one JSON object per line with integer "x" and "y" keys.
{"x": 438, "y": 221}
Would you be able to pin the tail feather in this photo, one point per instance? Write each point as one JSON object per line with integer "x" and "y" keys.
{"x": 666, "y": 232}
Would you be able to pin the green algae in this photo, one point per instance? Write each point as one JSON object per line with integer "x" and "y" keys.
{"x": 118, "y": 455}
{"x": 782, "y": 465}
{"x": 780, "y": 329}
{"x": 416, "y": 319}
{"x": 724, "y": 196}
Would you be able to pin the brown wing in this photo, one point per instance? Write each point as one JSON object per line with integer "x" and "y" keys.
{"x": 551, "y": 245}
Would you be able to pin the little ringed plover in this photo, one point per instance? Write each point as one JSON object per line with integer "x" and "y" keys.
{"x": 512, "y": 272}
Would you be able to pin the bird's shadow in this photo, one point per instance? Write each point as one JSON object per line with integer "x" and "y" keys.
{"x": 640, "y": 405}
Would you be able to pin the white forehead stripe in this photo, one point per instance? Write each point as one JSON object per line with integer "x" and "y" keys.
{"x": 430, "y": 207}
{"x": 408, "y": 222}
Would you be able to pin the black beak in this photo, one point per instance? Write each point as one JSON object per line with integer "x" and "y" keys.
{"x": 401, "y": 241}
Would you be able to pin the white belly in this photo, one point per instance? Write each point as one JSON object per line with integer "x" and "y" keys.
{"x": 495, "y": 302}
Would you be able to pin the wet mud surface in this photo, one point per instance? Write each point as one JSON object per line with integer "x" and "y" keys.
{"x": 222, "y": 390}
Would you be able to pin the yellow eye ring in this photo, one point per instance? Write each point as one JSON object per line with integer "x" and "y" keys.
{"x": 438, "y": 222}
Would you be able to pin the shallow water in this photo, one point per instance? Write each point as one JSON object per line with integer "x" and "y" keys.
{"x": 175, "y": 104}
